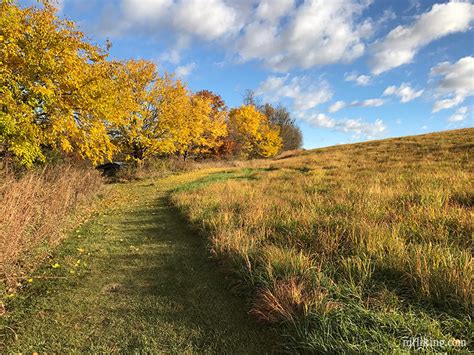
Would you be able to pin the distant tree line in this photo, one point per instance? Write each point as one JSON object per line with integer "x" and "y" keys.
{"x": 60, "y": 95}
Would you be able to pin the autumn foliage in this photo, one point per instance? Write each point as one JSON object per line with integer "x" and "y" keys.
{"x": 61, "y": 96}
{"x": 252, "y": 133}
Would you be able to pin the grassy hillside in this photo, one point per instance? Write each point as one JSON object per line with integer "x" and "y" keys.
{"x": 353, "y": 247}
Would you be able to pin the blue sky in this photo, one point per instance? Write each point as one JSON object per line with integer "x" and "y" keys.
{"x": 347, "y": 70}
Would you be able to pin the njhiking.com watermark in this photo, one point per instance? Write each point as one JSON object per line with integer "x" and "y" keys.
{"x": 430, "y": 343}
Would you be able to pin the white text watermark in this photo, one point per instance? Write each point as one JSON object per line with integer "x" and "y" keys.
{"x": 424, "y": 342}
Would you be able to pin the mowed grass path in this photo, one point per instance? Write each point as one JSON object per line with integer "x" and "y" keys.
{"x": 134, "y": 278}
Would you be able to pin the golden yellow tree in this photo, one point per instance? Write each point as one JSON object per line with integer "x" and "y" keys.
{"x": 269, "y": 143}
{"x": 56, "y": 90}
{"x": 252, "y": 133}
{"x": 217, "y": 133}
{"x": 206, "y": 127}
{"x": 158, "y": 110}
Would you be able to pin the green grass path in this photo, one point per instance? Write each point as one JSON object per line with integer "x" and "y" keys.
{"x": 134, "y": 278}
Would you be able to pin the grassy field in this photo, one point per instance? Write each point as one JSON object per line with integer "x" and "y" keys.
{"x": 133, "y": 279}
{"x": 353, "y": 247}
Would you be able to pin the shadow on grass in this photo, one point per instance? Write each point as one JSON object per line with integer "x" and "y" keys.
{"x": 181, "y": 286}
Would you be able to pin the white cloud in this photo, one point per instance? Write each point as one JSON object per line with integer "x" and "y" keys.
{"x": 358, "y": 127}
{"x": 145, "y": 10}
{"x": 361, "y": 80}
{"x": 459, "y": 115}
{"x": 339, "y": 105}
{"x": 447, "y": 103}
{"x": 314, "y": 33}
{"x": 457, "y": 82}
{"x": 303, "y": 92}
{"x": 404, "y": 92}
{"x": 184, "y": 70}
{"x": 282, "y": 34}
{"x": 269, "y": 10}
{"x": 207, "y": 19}
{"x": 361, "y": 128}
{"x": 402, "y": 43}
{"x": 321, "y": 120}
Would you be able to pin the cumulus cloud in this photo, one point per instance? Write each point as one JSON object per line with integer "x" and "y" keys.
{"x": 282, "y": 34}
{"x": 304, "y": 93}
{"x": 456, "y": 84}
{"x": 339, "y": 105}
{"x": 320, "y": 120}
{"x": 404, "y": 92}
{"x": 358, "y": 127}
{"x": 459, "y": 115}
{"x": 184, "y": 70}
{"x": 205, "y": 19}
{"x": 402, "y": 43}
{"x": 361, "y": 80}
{"x": 314, "y": 33}
{"x": 182, "y": 21}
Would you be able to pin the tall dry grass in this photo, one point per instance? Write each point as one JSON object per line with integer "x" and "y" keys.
{"x": 34, "y": 210}
{"x": 355, "y": 246}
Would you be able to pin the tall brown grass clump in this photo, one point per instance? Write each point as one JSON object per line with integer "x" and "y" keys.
{"x": 34, "y": 209}
{"x": 354, "y": 246}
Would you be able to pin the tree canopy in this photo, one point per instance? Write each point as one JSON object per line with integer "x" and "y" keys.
{"x": 61, "y": 94}
{"x": 252, "y": 132}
